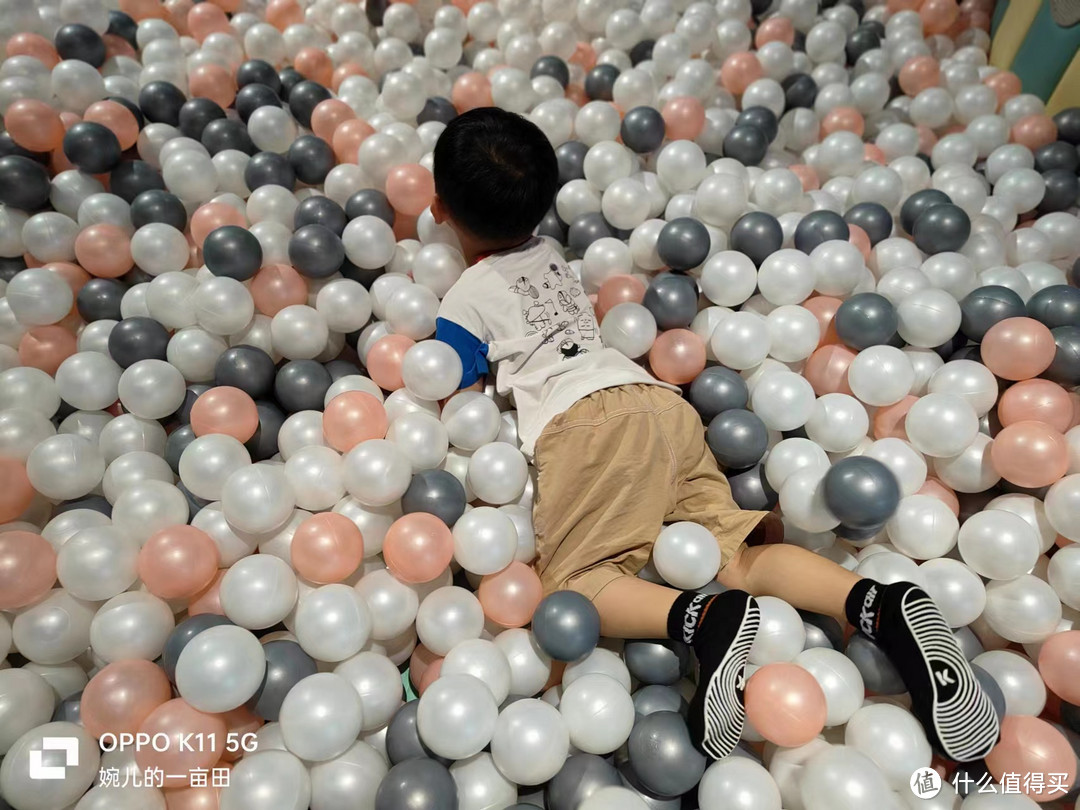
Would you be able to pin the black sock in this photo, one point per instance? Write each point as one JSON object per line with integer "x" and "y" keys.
{"x": 721, "y": 629}
{"x": 945, "y": 695}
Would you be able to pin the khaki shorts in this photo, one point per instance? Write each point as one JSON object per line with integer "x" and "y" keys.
{"x": 611, "y": 471}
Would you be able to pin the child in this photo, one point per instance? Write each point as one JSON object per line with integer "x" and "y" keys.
{"x": 619, "y": 453}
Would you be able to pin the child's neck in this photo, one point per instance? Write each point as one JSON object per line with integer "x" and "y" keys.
{"x": 476, "y": 250}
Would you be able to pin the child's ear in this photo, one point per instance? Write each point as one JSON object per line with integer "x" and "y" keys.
{"x": 438, "y": 211}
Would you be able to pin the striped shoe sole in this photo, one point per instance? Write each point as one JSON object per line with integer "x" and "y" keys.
{"x": 725, "y": 714}
{"x": 962, "y": 715}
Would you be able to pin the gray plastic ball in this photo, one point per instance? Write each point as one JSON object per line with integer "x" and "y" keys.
{"x": 864, "y": 320}
{"x": 983, "y": 307}
{"x": 818, "y": 227}
{"x": 683, "y": 243}
{"x": 750, "y": 490}
{"x": 758, "y": 235}
{"x": 861, "y": 491}
{"x": 918, "y": 204}
{"x": 301, "y": 385}
{"x": 653, "y": 698}
{"x": 672, "y": 299}
{"x": 746, "y": 143}
{"x": 436, "y": 492}
{"x": 642, "y": 129}
{"x": 403, "y": 740}
{"x": 718, "y": 389}
{"x": 232, "y": 251}
{"x": 943, "y": 228}
{"x": 580, "y": 777}
{"x": 738, "y": 438}
{"x": 662, "y": 756}
{"x": 571, "y": 158}
{"x": 872, "y": 217}
{"x": 566, "y": 625}
{"x": 286, "y": 665}
{"x": 417, "y": 784}
{"x": 586, "y": 229}
{"x": 661, "y": 662}
{"x": 877, "y": 671}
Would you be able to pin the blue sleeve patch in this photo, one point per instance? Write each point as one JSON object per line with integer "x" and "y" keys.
{"x": 471, "y": 350}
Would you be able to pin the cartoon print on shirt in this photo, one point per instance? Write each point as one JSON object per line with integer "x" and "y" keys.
{"x": 586, "y": 327}
{"x": 553, "y": 277}
{"x": 568, "y": 303}
{"x": 522, "y": 286}
{"x": 569, "y": 348}
{"x": 537, "y": 316}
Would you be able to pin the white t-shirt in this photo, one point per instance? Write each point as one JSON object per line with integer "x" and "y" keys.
{"x": 525, "y": 312}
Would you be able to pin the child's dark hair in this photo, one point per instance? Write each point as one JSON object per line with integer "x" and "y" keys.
{"x": 495, "y": 172}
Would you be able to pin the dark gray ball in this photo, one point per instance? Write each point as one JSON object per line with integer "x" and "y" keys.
{"x": 552, "y": 226}
{"x": 403, "y": 739}
{"x": 738, "y": 438}
{"x": 286, "y": 665}
{"x": 69, "y": 709}
{"x": 311, "y": 158}
{"x": 436, "y": 492}
{"x": 227, "y": 133}
{"x": 1070, "y": 716}
{"x": 662, "y": 662}
{"x": 176, "y": 444}
{"x": 942, "y": 229}
{"x": 248, "y": 368}
{"x": 1065, "y": 368}
{"x": 662, "y": 756}
{"x": 718, "y": 389}
{"x": 1062, "y": 190}
{"x": 758, "y": 235}
{"x": 969, "y": 643}
{"x": 683, "y": 243}
{"x": 982, "y": 308}
{"x": 133, "y": 177}
{"x": 99, "y": 299}
{"x": 991, "y": 689}
{"x": 600, "y": 82}
{"x": 135, "y": 339}
{"x": 642, "y": 129}
{"x": 438, "y": 109}
{"x": 304, "y": 97}
{"x": 264, "y": 443}
{"x": 864, "y": 320}
{"x": 196, "y": 114}
{"x": 1056, "y": 305}
{"x": 158, "y": 206}
{"x": 417, "y": 784}
{"x": 232, "y": 251}
{"x": 551, "y": 66}
{"x": 92, "y": 147}
{"x": 1057, "y": 155}
{"x": 24, "y": 183}
{"x": 918, "y": 204}
{"x": 78, "y": 41}
{"x": 578, "y": 779}
{"x": 761, "y": 117}
{"x": 672, "y": 299}
{"x": 369, "y": 202}
{"x": 316, "y": 251}
{"x": 874, "y": 218}
{"x": 253, "y": 96}
{"x": 800, "y": 90}
{"x": 827, "y": 626}
{"x": 858, "y": 534}
{"x": 877, "y": 671}
{"x": 341, "y": 368}
{"x": 586, "y": 229}
{"x": 818, "y": 227}
{"x": 320, "y": 210}
{"x": 95, "y": 502}
{"x": 182, "y": 634}
{"x": 566, "y": 625}
{"x": 571, "y": 159}
{"x": 161, "y": 101}
{"x": 269, "y": 169}
{"x": 653, "y": 698}
{"x": 750, "y": 490}
{"x": 1068, "y": 125}
{"x": 301, "y": 385}
{"x": 861, "y": 491}
{"x": 746, "y": 143}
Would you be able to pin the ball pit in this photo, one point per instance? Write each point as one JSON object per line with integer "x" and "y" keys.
{"x": 240, "y": 498}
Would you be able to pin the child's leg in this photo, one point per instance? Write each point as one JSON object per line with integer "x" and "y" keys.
{"x": 902, "y": 619}
{"x": 805, "y": 580}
